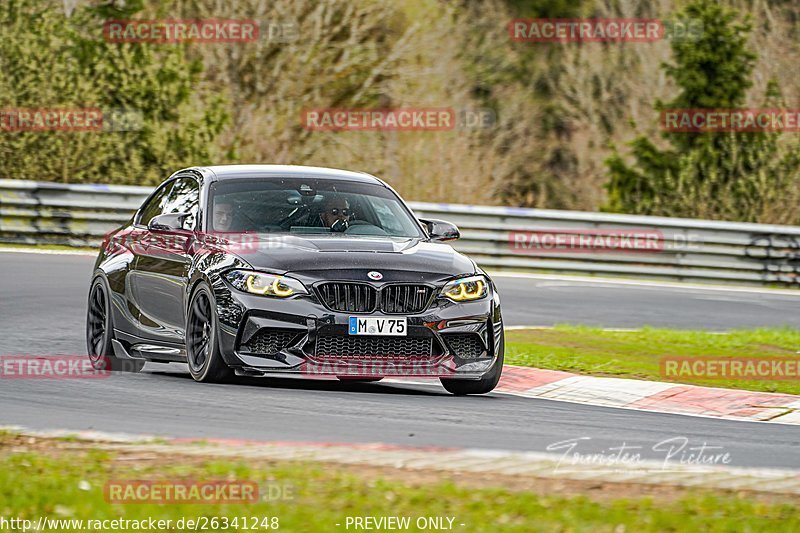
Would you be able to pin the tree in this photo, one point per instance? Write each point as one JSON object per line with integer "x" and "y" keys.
{"x": 732, "y": 176}
{"x": 52, "y": 61}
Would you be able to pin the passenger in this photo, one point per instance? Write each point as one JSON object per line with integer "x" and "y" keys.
{"x": 223, "y": 216}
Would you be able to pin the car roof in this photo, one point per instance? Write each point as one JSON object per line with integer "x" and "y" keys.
{"x": 225, "y": 172}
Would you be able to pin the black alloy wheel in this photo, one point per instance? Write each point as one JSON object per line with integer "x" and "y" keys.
{"x": 100, "y": 333}
{"x": 202, "y": 349}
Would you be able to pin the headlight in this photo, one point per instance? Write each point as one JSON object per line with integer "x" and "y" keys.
{"x": 265, "y": 284}
{"x": 466, "y": 289}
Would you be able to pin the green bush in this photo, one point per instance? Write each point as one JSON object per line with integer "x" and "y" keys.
{"x": 731, "y": 176}
{"x": 49, "y": 60}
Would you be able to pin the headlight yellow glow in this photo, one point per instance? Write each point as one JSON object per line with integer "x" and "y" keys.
{"x": 265, "y": 284}
{"x": 466, "y": 289}
{"x": 260, "y": 285}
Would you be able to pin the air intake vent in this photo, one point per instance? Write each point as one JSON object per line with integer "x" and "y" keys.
{"x": 348, "y": 297}
{"x": 403, "y": 299}
{"x": 465, "y": 345}
{"x": 371, "y": 347}
{"x": 269, "y": 341}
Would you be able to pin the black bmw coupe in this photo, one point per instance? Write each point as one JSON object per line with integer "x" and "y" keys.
{"x": 256, "y": 270}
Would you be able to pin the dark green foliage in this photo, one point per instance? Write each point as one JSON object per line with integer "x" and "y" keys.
{"x": 733, "y": 176}
{"x": 49, "y": 60}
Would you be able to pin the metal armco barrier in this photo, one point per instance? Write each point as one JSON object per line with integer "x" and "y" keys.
{"x": 496, "y": 237}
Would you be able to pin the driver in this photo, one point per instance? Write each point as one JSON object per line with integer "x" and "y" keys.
{"x": 334, "y": 209}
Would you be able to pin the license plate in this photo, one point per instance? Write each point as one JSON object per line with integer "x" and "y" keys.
{"x": 377, "y": 326}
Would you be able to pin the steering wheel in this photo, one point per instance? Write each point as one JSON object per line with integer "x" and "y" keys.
{"x": 294, "y": 216}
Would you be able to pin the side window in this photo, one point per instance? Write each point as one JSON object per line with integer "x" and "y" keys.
{"x": 184, "y": 198}
{"x": 155, "y": 205}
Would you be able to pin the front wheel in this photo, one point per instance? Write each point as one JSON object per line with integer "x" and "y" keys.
{"x": 461, "y": 387}
{"x": 100, "y": 332}
{"x": 202, "y": 346}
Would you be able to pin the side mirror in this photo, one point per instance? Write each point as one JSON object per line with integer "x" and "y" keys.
{"x": 441, "y": 230}
{"x": 168, "y": 222}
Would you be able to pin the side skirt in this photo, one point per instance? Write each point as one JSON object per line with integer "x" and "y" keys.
{"x": 127, "y": 346}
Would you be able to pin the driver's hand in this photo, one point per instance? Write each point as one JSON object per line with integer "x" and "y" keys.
{"x": 340, "y": 225}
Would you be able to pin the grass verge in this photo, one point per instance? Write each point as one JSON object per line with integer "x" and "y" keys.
{"x": 637, "y": 354}
{"x": 65, "y": 481}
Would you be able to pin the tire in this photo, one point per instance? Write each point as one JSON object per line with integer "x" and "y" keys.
{"x": 462, "y": 387}
{"x": 202, "y": 343}
{"x": 100, "y": 332}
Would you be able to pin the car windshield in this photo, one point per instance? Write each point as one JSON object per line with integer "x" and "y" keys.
{"x": 308, "y": 206}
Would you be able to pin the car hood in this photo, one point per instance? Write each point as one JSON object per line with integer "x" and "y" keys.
{"x": 343, "y": 257}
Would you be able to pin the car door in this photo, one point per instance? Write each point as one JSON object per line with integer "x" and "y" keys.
{"x": 135, "y": 241}
{"x": 162, "y": 267}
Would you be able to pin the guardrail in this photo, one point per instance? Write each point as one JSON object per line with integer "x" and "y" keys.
{"x": 496, "y": 237}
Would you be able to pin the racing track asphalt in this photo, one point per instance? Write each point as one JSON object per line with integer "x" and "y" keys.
{"x": 42, "y": 306}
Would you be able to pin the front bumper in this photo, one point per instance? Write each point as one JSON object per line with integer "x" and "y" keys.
{"x": 261, "y": 335}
